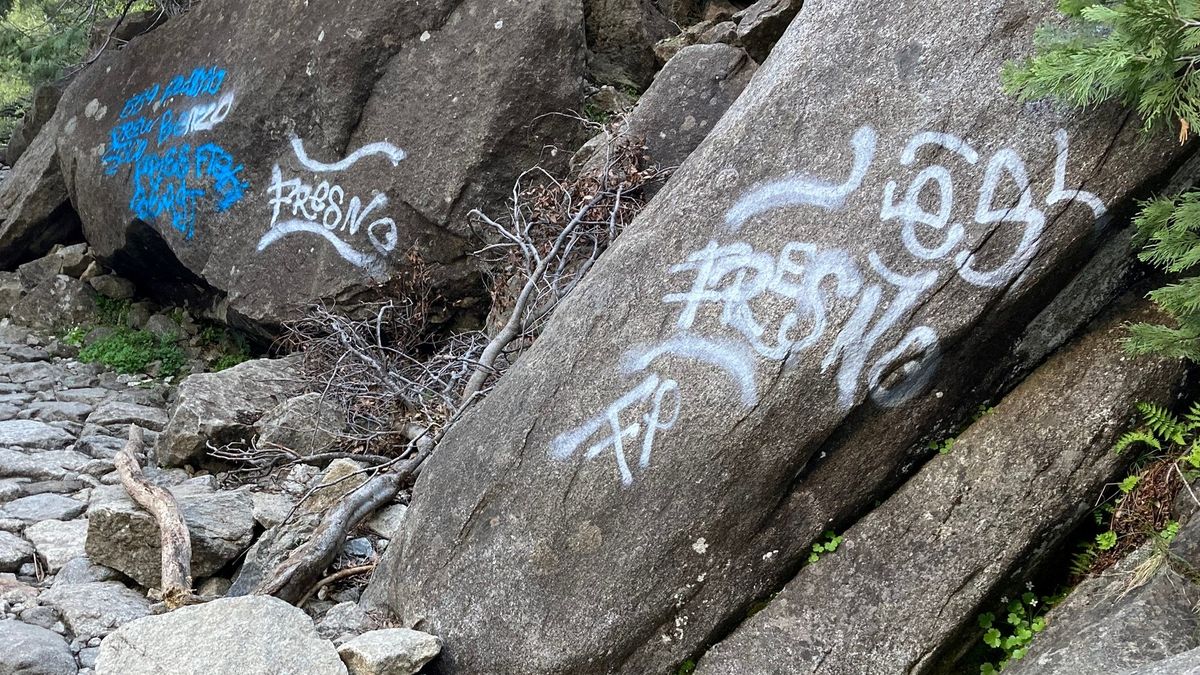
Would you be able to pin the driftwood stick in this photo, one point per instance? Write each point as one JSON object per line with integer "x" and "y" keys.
{"x": 175, "y": 541}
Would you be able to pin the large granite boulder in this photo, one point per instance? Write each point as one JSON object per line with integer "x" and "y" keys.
{"x": 765, "y": 349}
{"x": 1014, "y": 484}
{"x": 254, "y": 634}
{"x": 621, "y": 36}
{"x": 271, "y": 155}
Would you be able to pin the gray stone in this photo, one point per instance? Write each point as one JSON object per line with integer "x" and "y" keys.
{"x": 116, "y": 416}
{"x": 620, "y": 37}
{"x": 304, "y": 424}
{"x": 47, "y": 506}
{"x": 761, "y": 25}
{"x": 386, "y": 522}
{"x": 162, "y": 326}
{"x": 1016, "y": 484}
{"x": 14, "y": 552}
{"x": 113, "y": 286}
{"x": 49, "y": 465}
{"x": 57, "y": 411}
{"x": 222, "y": 407}
{"x": 96, "y": 609}
{"x": 61, "y": 302}
{"x": 11, "y": 290}
{"x": 772, "y": 408}
{"x": 81, "y": 570}
{"x": 25, "y": 354}
{"x": 213, "y": 587}
{"x": 31, "y": 650}
{"x": 687, "y": 98}
{"x": 36, "y": 272}
{"x": 125, "y": 537}
{"x": 230, "y": 635}
{"x": 391, "y": 651}
{"x": 88, "y": 656}
{"x": 359, "y": 547}
{"x": 270, "y": 508}
{"x": 40, "y": 616}
{"x": 343, "y": 619}
{"x": 57, "y": 541}
{"x": 33, "y": 434}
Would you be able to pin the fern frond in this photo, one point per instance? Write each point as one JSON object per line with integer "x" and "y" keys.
{"x": 1132, "y": 437}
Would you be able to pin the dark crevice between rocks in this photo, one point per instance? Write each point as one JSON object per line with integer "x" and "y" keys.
{"x": 61, "y": 227}
{"x": 1055, "y": 576}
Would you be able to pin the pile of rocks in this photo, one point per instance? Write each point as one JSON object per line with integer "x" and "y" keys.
{"x": 79, "y": 560}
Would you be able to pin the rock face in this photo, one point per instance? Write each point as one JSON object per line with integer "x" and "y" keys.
{"x": 30, "y": 650}
{"x": 761, "y": 352}
{"x": 288, "y": 153}
{"x": 223, "y": 407}
{"x": 125, "y": 537}
{"x": 256, "y": 634}
{"x": 1018, "y": 480}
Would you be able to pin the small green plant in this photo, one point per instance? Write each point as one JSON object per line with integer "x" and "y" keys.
{"x": 112, "y": 312}
{"x": 827, "y": 543}
{"x": 227, "y": 361}
{"x": 129, "y": 351}
{"x": 74, "y": 336}
{"x": 1167, "y": 434}
{"x": 1008, "y": 637}
{"x": 943, "y": 447}
{"x": 686, "y": 668}
{"x": 1128, "y": 484}
{"x": 1106, "y": 540}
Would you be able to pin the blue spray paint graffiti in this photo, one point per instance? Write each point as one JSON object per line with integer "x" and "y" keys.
{"x": 171, "y": 181}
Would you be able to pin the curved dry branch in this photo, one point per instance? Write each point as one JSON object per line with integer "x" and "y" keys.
{"x": 175, "y": 542}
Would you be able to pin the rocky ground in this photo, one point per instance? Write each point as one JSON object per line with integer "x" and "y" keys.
{"x": 78, "y": 559}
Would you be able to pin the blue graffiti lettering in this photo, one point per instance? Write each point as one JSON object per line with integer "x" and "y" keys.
{"x": 172, "y": 181}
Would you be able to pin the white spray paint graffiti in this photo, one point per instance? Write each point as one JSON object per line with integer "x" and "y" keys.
{"x": 800, "y": 283}
{"x": 322, "y": 209}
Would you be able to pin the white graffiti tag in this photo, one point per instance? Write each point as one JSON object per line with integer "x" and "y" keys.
{"x": 777, "y": 305}
{"x": 299, "y": 206}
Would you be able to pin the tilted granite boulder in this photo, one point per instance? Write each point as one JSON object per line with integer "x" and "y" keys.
{"x": 272, "y": 155}
{"x": 919, "y": 569}
{"x": 819, "y": 288}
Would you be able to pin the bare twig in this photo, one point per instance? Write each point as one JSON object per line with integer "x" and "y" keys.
{"x": 336, "y": 576}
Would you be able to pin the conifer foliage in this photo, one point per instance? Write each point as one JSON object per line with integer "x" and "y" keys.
{"x": 1145, "y": 54}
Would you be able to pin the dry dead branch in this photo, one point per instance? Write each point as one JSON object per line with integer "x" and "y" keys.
{"x": 175, "y": 542}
